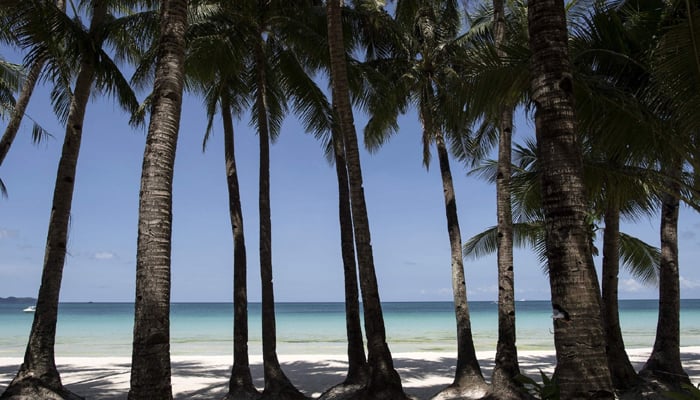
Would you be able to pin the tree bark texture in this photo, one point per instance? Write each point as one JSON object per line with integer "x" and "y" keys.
{"x": 241, "y": 381}
{"x": 384, "y": 380}
{"x": 664, "y": 363}
{"x": 357, "y": 361}
{"x": 277, "y": 385}
{"x": 621, "y": 370}
{"x": 468, "y": 373}
{"x": 506, "y": 367}
{"x": 582, "y": 369}
{"x": 150, "y": 365}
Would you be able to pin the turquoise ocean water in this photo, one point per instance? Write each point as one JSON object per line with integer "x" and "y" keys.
{"x": 105, "y": 329}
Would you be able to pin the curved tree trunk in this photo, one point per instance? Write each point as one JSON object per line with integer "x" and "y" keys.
{"x": 357, "y": 361}
{"x": 20, "y": 107}
{"x": 150, "y": 362}
{"x": 582, "y": 369}
{"x": 469, "y": 382}
{"x": 277, "y": 385}
{"x": 241, "y": 383}
{"x": 623, "y": 375}
{"x": 664, "y": 363}
{"x": 384, "y": 380}
{"x": 358, "y": 372}
{"x": 38, "y": 376}
{"x": 506, "y": 367}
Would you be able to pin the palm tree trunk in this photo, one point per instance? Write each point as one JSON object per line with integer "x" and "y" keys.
{"x": 277, "y": 385}
{"x": 358, "y": 370}
{"x": 664, "y": 363}
{"x": 357, "y": 362}
{"x": 39, "y": 367}
{"x": 384, "y": 380}
{"x": 150, "y": 363}
{"x": 468, "y": 374}
{"x": 582, "y": 368}
{"x": 20, "y": 107}
{"x": 241, "y": 382}
{"x": 621, "y": 370}
{"x": 38, "y": 376}
{"x": 506, "y": 367}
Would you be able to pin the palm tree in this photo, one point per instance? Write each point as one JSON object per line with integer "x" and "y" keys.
{"x": 270, "y": 38}
{"x": 425, "y": 69}
{"x": 384, "y": 381}
{"x": 506, "y": 368}
{"x": 150, "y": 363}
{"x": 582, "y": 370}
{"x": 214, "y": 68}
{"x": 676, "y": 78}
{"x": 275, "y": 73}
{"x": 67, "y": 42}
{"x": 664, "y": 363}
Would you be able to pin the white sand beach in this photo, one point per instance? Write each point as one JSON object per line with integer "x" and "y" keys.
{"x": 422, "y": 374}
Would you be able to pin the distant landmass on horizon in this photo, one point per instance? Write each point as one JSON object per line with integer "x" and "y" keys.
{"x": 16, "y": 300}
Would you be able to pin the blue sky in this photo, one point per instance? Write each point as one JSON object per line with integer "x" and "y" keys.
{"x": 405, "y": 205}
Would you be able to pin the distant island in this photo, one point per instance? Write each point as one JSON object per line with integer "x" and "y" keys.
{"x": 17, "y": 300}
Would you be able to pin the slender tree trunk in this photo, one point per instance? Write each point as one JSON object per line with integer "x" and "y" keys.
{"x": 664, "y": 363}
{"x": 384, "y": 380}
{"x": 358, "y": 370}
{"x": 38, "y": 376}
{"x": 277, "y": 385}
{"x": 621, "y": 370}
{"x": 506, "y": 367}
{"x": 582, "y": 369}
{"x": 357, "y": 361}
{"x": 468, "y": 382}
{"x": 150, "y": 363}
{"x": 241, "y": 383}
{"x": 20, "y": 107}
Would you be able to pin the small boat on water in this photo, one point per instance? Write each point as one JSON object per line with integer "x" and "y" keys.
{"x": 30, "y": 309}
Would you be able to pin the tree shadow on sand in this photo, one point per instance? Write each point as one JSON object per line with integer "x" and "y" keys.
{"x": 206, "y": 379}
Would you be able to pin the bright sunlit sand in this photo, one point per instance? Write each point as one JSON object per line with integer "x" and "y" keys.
{"x": 193, "y": 377}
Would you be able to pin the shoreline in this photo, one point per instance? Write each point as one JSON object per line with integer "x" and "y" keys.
{"x": 422, "y": 373}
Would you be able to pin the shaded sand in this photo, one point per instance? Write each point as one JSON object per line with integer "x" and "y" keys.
{"x": 422, "y": 374}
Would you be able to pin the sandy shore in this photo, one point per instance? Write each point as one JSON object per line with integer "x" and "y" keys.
{"x": 422, "y": 374}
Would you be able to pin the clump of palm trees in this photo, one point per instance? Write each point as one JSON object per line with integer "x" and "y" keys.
{"x": 606, "y": 84}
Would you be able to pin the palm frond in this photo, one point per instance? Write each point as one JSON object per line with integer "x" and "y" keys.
{"x": 109, "y": 80}
{"x": 639, "y": 258}
{"x": 309, "y": 102}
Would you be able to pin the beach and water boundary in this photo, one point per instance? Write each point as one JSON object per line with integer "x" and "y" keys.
{"x": 93, "y": 343}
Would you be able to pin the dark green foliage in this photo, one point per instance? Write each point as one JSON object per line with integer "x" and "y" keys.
{"x": 547, "y": 390}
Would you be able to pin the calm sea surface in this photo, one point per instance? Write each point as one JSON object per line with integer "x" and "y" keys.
{"x": 101, "y": 329}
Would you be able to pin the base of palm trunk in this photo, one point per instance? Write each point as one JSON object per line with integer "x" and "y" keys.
{"x": 241, "y": 393}
{"x": 480, "y": 391}
{"x": 31, "y": 388}
{"x": 282, "y": 391}
{"x": 343, "y": 391}
{"x": 659, "y": 369}
{"x": 505, "y": 386}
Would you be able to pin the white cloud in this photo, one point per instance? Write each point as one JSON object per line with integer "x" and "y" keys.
{"x": 439, "y": 292}
{"x": 487, "y": 289}
{"x": 630, "y": 286}
{"x": 104, "y": 255}
{"x": 689, "y": 283}
{"x": 6, "y": 233}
